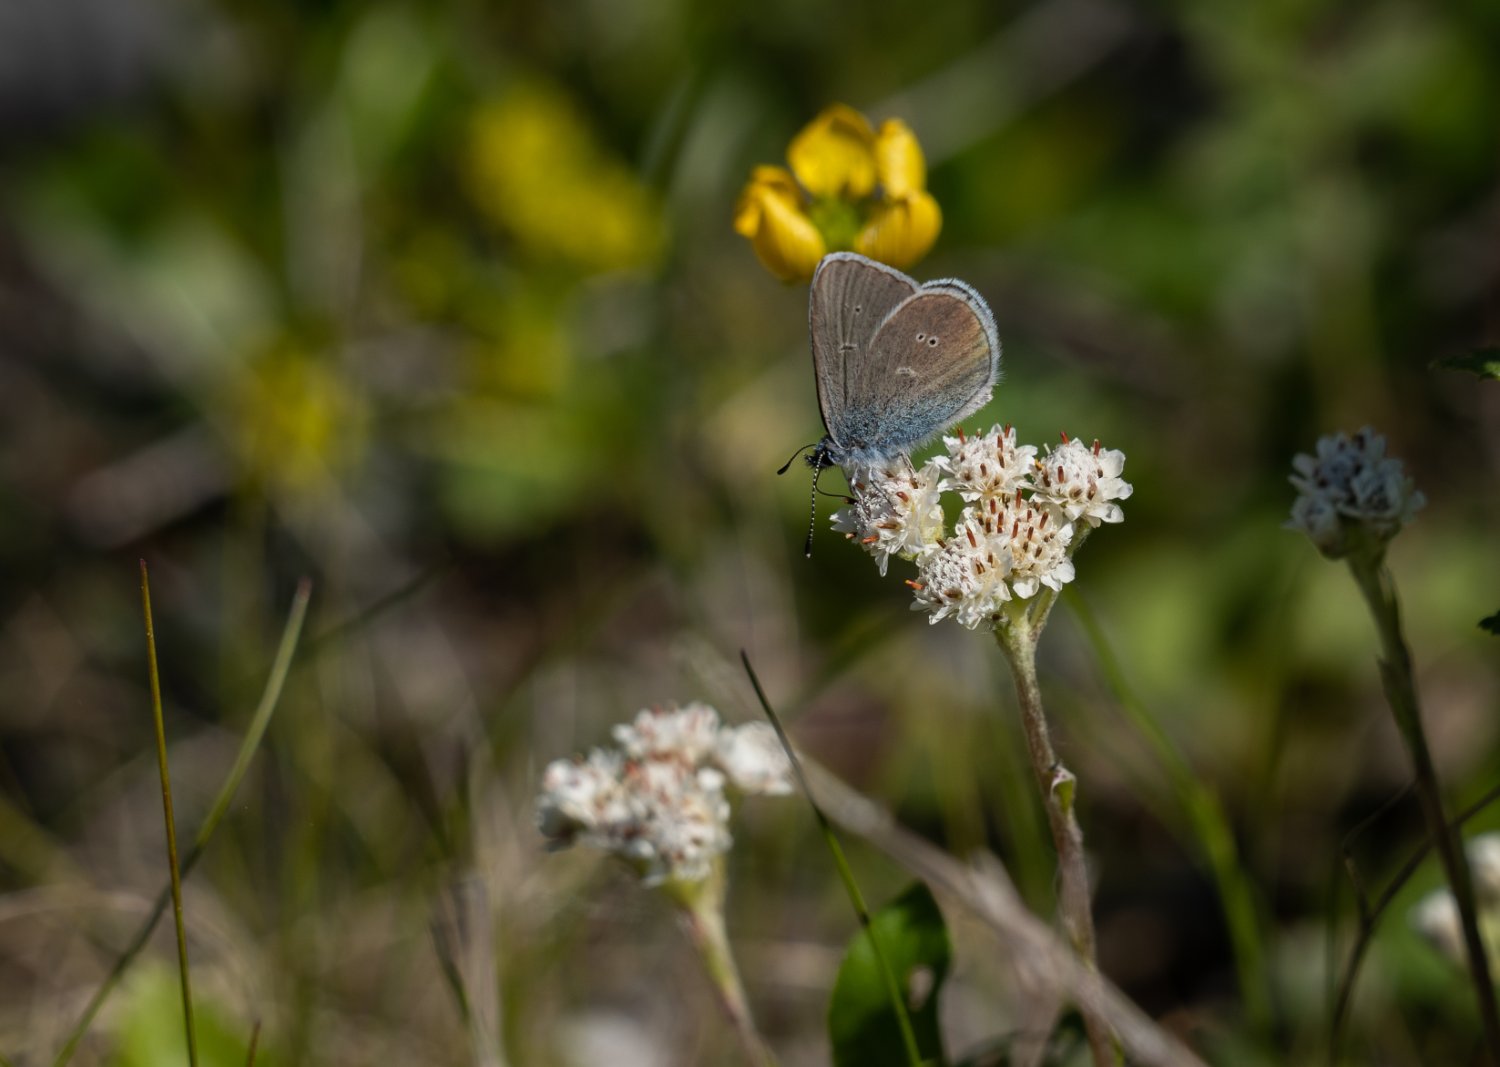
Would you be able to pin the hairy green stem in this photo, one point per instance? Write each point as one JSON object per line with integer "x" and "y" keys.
{"x": 1017, "y": 639}
{"x": 702, "y": 911}
{"x": 1379, "y": 591}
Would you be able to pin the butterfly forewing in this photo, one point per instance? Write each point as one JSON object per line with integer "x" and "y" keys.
{"x": 851, "y": 297}
{"x": 931, "y": 362}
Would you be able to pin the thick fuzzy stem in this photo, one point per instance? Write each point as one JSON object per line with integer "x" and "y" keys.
{"x": 702, "y": 912}
{"x": 1057, "y": 785}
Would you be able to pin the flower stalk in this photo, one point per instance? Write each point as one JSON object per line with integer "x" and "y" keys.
{"x": 1379, "y": 591}
{"x": 1027, "y": 512}
{"x": 701, "y": 910}
{"x": 1352, "y": 499}
{"x": 657, "y": 800}
{"x": 1058, "y": 788}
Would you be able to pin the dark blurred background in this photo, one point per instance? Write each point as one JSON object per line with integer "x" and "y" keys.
{"x": 440, "y": 305}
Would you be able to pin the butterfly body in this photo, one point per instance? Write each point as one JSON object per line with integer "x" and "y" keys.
{"x": 896, "y": 362}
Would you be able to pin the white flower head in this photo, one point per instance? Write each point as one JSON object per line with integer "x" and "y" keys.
{"x": 1436, "y": 915}
{"x": 986, "y": 466}
{"x": 578, "y": 796}
{"x": 1024, "y": 517}
{"x": 658, "y": 801}
{"x": 1484, "y": 866}
{"x": 897, "y": 510}
{"x": 1083, "y": 482}
{"x": 1351, "y": 492}
{"x": 1037, "y": 540}
{"x": 681, "y": 824}
{"x": 753, "y": 758}
{"x": 686, "y": 734}
{"x": 966, "y": 578}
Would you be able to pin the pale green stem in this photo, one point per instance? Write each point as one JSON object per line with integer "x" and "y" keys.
{"x": 701, "y": 908}
{"x": 1396, "y": 676}
{"x": 1017, "y": 639}
{"x": 846, "y": 875}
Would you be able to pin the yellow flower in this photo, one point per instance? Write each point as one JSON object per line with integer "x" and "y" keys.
{"x": 770, "y": 213}
{"x": 834, "y": 155}
{"x": 296, "y": 418}
{"x": 901, "y": 231}
{"x": 537, "y": 169}
{"x": 848, "y": 188}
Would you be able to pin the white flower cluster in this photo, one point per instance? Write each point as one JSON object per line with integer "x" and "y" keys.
{"x": 1351, "y": 486}
{"x": 1435, "y": 916}
{"x": 1015, "y": 534}
{"x": 658, "y": 799}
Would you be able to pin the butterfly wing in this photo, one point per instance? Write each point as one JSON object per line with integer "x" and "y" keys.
{"x": 851, "y": 296}
{"x": 933, "y": 361}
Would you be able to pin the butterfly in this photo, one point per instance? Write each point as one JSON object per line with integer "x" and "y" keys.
{"x": 896, "y": 362}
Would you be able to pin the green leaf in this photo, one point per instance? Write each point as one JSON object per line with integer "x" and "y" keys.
{"x": 1491, "y": 623}
{"x": 1481, "y": 362}
{"x": 862, "y": 1026}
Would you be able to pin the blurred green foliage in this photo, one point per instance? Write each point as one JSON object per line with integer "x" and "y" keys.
{"x": 440, "y": 304}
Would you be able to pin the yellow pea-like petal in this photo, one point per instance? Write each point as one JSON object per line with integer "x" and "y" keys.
{"x": 769, "y": 213}
{"x": 901, "y": 231}
{"x": 900, "y": 166}
{"x": 834, "y": 154}
{"x": 764, "y": 181}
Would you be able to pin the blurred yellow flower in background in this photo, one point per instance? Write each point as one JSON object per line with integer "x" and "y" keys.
{"x": 849, "y": 187}
{"x": 297, "y": 419}
{"x": 536, "y": 168}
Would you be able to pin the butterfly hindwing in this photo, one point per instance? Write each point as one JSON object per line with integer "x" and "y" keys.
{"x": 932, "y": 361}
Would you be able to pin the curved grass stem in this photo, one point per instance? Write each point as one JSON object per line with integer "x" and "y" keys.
{"x": 248, "y": 745}
{"x": 1207, "y": 822}
{"x": 846, "y": 875}
{"x": 166, "y": 804}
